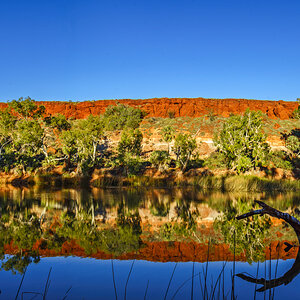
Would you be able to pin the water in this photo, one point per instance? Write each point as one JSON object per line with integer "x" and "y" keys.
{"x": 144, "y": 244}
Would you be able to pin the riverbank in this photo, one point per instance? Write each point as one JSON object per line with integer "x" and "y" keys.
{"x": 221, "y": 180}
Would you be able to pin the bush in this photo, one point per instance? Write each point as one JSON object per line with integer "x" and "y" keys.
{"x": 130, "y": 143}
{"x": 242, "y": 142}
{"x": 120, "y": 116}
{"x": 184, "y": 147}
{"x": 160, "y": 159}
{"x": 281, "y": 160}
{"x": 216, "y": 160}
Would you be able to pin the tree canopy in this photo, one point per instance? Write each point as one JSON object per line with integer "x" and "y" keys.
{"x": 242, "y": 141}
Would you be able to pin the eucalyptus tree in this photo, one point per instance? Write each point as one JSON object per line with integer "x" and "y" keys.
{"x": 26, "y": 108}
{"x": 7, "y": 124}
{"x": 120, "y": 116}
{"x": 242, "y": 142}
{"x": 184, "y": 147}
{"x": 81, "y": 142}
{"x": 129, "y": 150}
{"x": 28, "y": 141}
{"x": 168, "y": 134}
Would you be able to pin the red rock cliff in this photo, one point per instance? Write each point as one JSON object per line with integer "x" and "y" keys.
{"x": 181, "y": 107}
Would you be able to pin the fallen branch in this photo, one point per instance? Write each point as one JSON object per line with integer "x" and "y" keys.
{"x": 266, "y": 209}
{"x": 295, "y": 269}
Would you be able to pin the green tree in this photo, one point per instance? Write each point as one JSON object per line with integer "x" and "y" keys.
{"x": 27, "y": 108}
{"x": 58, "y": 121}
{"x": 296, "y": 112}
{"x": 242, "y": 142}
{"x": 7, "y": 125}
{"x": 131, "y": 142}
{"x": 68, "y": 140}
{"x": 184, "y": 147}
{"x": 292, "y": 142}
{"x": 90, "y": 133}
{"x": 129, "y": 151}
{"x": 28, "y": 142}
{"x": 168, "y": 134}
{"x": 160, "y": 159}
{"x": 82, "y": 141}
{"x": 120, "y": 116}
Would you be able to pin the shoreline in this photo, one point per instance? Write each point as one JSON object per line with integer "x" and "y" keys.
{"x": 202, "y": 178}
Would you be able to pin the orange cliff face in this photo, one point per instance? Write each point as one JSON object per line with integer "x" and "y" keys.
{"x": 180, "y": 107}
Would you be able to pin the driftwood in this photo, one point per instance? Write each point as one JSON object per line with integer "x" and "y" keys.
{"x": 295, "y": 269}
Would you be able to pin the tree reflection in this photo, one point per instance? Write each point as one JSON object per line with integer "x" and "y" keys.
{"x": 26, "y": 235}
{"x": 248, "y": 236}
{"x": 295, "y": 269}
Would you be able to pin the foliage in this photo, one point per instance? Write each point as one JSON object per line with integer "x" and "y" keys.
{"x": 293, "y": 142}
{"x": 247, "y": 236}
{"x": 242, "y": 142}
{"x": 168, "y": 134}
{"x": 58, "y": 121}
{"x": 7, "y": 125}
{"x": 130, "y": 143}
{"x": 82, "y": 141}
{"x": 281, "y": 159}
{"x": 184, "y": 147}
{"x": 215, "y": 160}
{"x": 27, "y": 108}
{"x": 296, "y": 112}
{"x": 120, "y": 116}
{"x": 160, "y": 159}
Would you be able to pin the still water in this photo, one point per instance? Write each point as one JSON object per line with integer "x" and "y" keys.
{"x": 145, "y": 244}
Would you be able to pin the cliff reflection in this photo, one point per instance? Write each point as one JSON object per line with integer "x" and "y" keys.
{"x": 153, "y": 224}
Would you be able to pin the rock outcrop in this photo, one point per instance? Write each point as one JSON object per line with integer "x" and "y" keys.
{"x": 178, "y": 107}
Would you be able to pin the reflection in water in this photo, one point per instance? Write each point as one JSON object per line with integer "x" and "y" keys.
{"x": 250, "y": 236}
{"x": 153, "y": 224}
{"x": 295, "y": 269}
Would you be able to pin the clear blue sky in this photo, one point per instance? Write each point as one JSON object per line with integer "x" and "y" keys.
{"x": 108, "y": 49}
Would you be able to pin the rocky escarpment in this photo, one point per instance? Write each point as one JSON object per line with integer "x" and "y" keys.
{"x": 178, "y": 107}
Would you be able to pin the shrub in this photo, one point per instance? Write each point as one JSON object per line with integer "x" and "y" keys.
{"x": 242, "y": 142}
{"x": 120, "y": 116}
{"x": 184, "y": 147}
{"x": 130, "y": 143}
{"x": 160, "y": 159}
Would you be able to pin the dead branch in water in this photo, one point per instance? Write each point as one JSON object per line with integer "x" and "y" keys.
{"x": 295, "y": 269}
{"x": 268, "y": 210}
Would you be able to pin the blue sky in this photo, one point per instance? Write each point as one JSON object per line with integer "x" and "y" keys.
{"x": 85, "y": 50}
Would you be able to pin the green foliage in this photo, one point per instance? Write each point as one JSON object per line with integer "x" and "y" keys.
{"x": 242, "y": 142}
{"x": 68, "y": 142}
{"x": 296, "y": 112}
{"x": 7, "y": 125}
{"x": 82, "y": 140}
{"x": 293, "y": 144}
{"x": 27, "y": 108}
{"x": 120, "y": 116}
{"x": 159, "y": 209}
{"x": 247, "y": 235}
{"x": 216, "y": 160}
{"x": 129, "y": 151}
{"x": 168, "y": 133}
{"x": 23, "y": 230}
{"x": 130, "y": 143}
{"x": 28, "y": 136}
{"x": 281, "y": 159}
{"x": 160, "y": 159}
{"x": 58, "y": 121}
{"x": 184, "y": 147}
